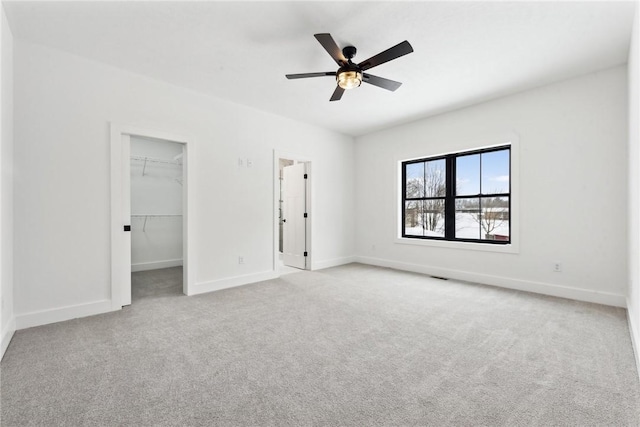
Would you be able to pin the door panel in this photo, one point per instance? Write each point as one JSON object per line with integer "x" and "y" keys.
{"x": 294, "y": 208}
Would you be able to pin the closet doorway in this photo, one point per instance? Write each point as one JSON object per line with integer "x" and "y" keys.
{"x": 156, "y": 217}
{"x": 150, "y": 215}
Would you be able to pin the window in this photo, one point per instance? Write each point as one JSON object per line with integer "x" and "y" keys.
{"x": 458, "y": 197}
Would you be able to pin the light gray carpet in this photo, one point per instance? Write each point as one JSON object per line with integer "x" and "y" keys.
{"x": 352, "y": 345}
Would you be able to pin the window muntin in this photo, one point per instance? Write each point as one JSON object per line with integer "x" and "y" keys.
{"x": 458, "y": 197}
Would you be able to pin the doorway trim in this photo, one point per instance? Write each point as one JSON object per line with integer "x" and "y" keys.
{"x": 277, "y": 155}
{"x": 120, "y": 177}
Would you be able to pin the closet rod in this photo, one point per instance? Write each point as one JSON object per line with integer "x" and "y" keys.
{"x": 156, "y": 160}
{"x": 142, "y": 215}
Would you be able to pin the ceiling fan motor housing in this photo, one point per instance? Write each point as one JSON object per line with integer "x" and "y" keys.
{"x": 349, "y": 52}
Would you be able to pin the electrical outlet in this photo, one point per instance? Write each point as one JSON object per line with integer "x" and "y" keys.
{"x": 240, "y": 162}
{"x": 240, "y": 260}
{"x": 249, "y": 163}
{"x": 557, "y": 267}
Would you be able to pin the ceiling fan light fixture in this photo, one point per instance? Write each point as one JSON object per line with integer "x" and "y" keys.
{"x": 351, "y": 75}
{"x": 349, "y": 79}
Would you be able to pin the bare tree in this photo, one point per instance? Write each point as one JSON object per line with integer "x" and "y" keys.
{"x": 435, "y": 186}
{"x": 492, "y": 214}
{"x": 431, "y": 212}
{"x": 427, "y": 214}
{"x": 414, "y": 189}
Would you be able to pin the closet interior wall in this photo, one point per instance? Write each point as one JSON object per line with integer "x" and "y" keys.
{"x": 156, "y": 204}
{"x": 282, "y": 163}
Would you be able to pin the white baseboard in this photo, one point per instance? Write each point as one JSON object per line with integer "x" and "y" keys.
{"x": 61, "y": 314}
{"x": 598, "y": 297}
{"x": 7, "y": 334}
{"x": 155, "y": 265}
{"x": 633, "y": 331}
{"x": 231, "y": 282}
{"x": 334, "y": 262}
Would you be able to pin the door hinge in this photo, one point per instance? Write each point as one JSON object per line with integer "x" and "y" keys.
{"x": 305, "y": 176}
{"x": 305, "y": 214}
{"x": 305, "y": 253}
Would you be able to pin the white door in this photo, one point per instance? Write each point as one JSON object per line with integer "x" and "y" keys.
{"x": 294, "y": 212}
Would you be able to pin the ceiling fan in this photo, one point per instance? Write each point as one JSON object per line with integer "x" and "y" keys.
{"x": 351, "y": 75}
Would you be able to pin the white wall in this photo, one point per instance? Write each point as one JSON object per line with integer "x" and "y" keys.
{"x": 156, "y": 188}
{"x": 633, "y": 300}
{"x": 572, "y": 189}
{"x": 7, "y": 320}
{"x": 63, "y": 106}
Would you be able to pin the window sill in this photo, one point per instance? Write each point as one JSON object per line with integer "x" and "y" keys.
{"x": 511, "y": 248}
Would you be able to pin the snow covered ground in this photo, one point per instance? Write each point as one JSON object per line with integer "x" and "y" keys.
{"x": 466, "y": 228}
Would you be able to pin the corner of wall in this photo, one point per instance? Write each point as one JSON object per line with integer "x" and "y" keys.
{"x": 633, "y": 332}
{"x": 7, "y": 317}
{"x": 633, "y": 293}
{"x": 7, "y": 334}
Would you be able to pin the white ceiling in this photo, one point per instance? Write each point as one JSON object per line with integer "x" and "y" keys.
{"x": 464, "y": 52}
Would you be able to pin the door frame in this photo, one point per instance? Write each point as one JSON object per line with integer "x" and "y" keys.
{"x": 120, "y": 179}
{"x": 277, "y": 155}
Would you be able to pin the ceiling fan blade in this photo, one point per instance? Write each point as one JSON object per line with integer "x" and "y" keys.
{"x": 337, "y": 94}
{"x": 394, "y": 52}
{"x": 387, "y": 84}
{"x": 329, "y": 44}
{"x": 305, "y": 75}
